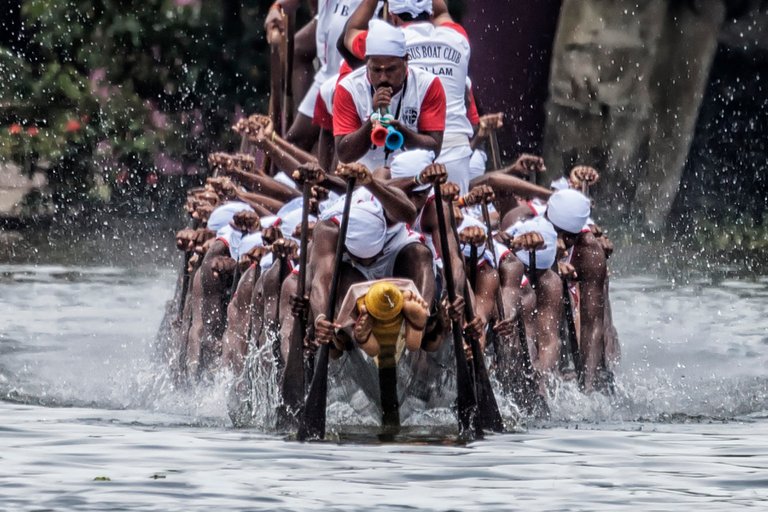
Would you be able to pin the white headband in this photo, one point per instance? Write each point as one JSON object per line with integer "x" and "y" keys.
{"x": 384, "y": 40}
{"x": 568, "y": 210}
{"x": 367, "y": 230}
{"x": 412, "y": 7}
{"x": 410, "y": 164}
{"x": 223, "y": 215}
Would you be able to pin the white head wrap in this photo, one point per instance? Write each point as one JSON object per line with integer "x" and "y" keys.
{"x": 222, "y": 215}
{"x": 292, "y": 205}
{"x": 332, "y": 198}
{"x": 568, "y": 210}
{"x": 289, "y": 223}
{"x": 560, "y": 184}
{"x": 286, "y": 180}
{"x": 409, "y": 164}
{"x": 545, "y": 257}
{"x": 233, "y": 238}
{"x": 412, "y": 7}
{"x": 384, "y": 40}
{"x": 249, "y": 242}
{"x": 367, "y": 230}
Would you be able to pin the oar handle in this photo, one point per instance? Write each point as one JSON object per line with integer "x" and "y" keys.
{"x": 466, "y": 398}
{"x": 312, "y": 424}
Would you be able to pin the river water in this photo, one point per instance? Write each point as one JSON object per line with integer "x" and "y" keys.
{"x": 88, "y": 422}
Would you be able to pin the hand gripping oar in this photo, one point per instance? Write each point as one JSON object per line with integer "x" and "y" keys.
{"x": 528, "y": 374}
{"x": 293, "y": 375}
{"x": 466, "y": 401}
{"x": 488, "y": 414}
{"x": 312, "y": 424}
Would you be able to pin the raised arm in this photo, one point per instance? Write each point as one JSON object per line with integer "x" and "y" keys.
{"x": 440, "y": 12}
{"x": 358, "y": 22}
{"x": 397, "y": 206}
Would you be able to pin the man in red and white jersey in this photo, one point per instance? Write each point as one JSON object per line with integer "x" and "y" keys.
{"x": 435, "y": 43}
{"x": 332, "y": 16}
{"x": 415, "y": 100}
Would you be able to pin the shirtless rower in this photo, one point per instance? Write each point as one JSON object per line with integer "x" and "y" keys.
{"x": 378, "y": 245}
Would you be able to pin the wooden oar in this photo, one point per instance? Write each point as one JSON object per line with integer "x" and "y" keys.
{"x": 293, "y": 375}
{"x": 312, "y": 424}
{"x": 528, "y": 374}
{"x": 275, "y": 87}
{"x": 488, "y": 415}
{"x": 572, "y": 338}
{"x": 290, "y": 36}
{"x": 466, "y": 399}
{"x": 493, "y": 142}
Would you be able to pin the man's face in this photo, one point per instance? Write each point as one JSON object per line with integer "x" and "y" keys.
{"x": 387, "y": 72}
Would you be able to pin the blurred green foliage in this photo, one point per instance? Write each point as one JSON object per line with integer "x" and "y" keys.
{"x": 102, "y": 88}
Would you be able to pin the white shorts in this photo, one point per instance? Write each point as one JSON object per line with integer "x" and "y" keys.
{"x": 307, "y": 105}
{"x": 457, "y": 161}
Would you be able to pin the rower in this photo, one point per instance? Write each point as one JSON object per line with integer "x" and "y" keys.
{"x": 568, "y": 210}
{"x": 328, "y": 27}
{"x": 384, "y": 318}
{"x": 378, "y": 245}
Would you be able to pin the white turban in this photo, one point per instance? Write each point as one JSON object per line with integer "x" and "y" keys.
{"x": 367, "y": 230}
{"x": 384, "y": 40}
{"x": 286, "y": 180}
{"x": 568, "y": 210}
{"x": 412, "y": 7}
{"x": 232, "y": 238}
{"x": 291, "y": 220}
{"x": 560, "y": 184}
{"x": 222, "y": 215}
{"x": 409, "y": 164}
{"x": 545, "y": 256}
{"x": 249, "y": 242}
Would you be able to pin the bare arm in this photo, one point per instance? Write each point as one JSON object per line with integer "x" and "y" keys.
{"x": 262, "y": 204}
{"x": 397, "y": 206}
{"x": 589, "y": 261}
{"x": 440, "y": 12}
{"x": 264, "y": 185}
{"x": 294, "y": 151}
{"x": 358, "y": 21}
{"x": 353, "y": 146}
{"x": 325, "y": 236}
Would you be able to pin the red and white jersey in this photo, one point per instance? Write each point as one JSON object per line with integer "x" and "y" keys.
{"x": 332, "y": 16}
{"x": 419, "y": 105}
{"x": 324, "y": 105}
{"x": 443, "y": 51}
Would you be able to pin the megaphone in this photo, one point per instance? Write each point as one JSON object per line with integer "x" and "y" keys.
{"x": 394, "y": 139}
{"x": 379, "y": 134}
